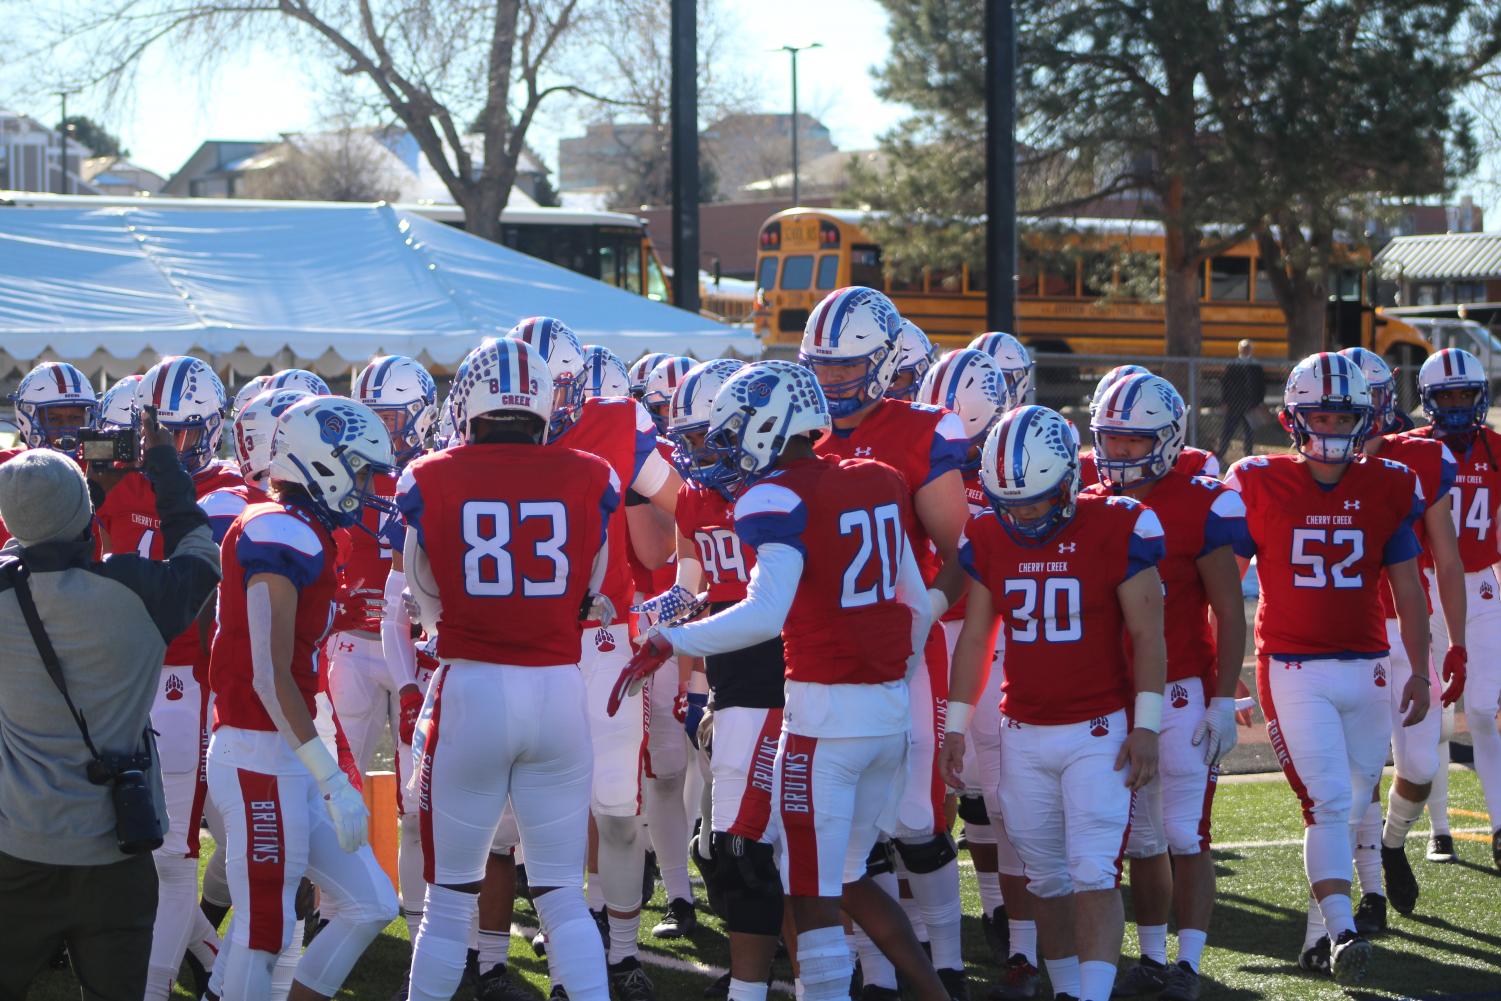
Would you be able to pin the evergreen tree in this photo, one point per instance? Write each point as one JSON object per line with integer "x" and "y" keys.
{"x": 93, "y": 135}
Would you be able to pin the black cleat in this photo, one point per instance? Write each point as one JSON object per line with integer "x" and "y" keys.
{"x": 1315, "y": 958}
{"x": 1145, "y": 977}
{"x": 1440, "y": 848}
{"x": 629, "y": 982}
{"x": 539, "y": 945}
{"x": 1182, "y": 983}
{"x": 719, "y": 988}
{"x": 997, "y": 935}
{"x": 1350, "y": 958}
{"x": 499, "y": 985}
{"x": 680, "y": 920}
{"x": 1401, "y": 884}
{"x": 1370, "y": 916}
{"x": 954, "y": 982}
{"x": 1019, "y": 981}
{"x": 558, "y": 994}
{"x": 523, "y": 888}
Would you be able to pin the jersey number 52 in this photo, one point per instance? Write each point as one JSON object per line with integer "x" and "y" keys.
{"x": 1316, "y": 548}
{"x": 490, "y": 570}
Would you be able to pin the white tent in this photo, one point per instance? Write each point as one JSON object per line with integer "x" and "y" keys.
{"x": 317, "y": 286}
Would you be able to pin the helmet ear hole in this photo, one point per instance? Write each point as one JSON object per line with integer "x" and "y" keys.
{"x": 321, "y": 469}
{"x": 1285, "y": 419}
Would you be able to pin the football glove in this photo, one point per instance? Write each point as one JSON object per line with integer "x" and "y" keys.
{"x": 1216, "y": 731}
{"x": 411, "y": 708}
{"x": 346, "y": 808}
{"x": 367, "y": 603}
{"x": 674, "y": 605}
{"x": 695, "y": 704}
{"x": 644, "y": 662}
{"x": 597, "y": 608}
{"x": 1454, "y": 671}
{"x": 414, "y": 610}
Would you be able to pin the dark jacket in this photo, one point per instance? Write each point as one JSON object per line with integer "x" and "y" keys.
{"x": 1243, "y": 386}
{"x": 110, "y": 623}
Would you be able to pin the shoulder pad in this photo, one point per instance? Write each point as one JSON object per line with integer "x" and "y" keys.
{"x": 281, "y": 528}
{"x": 1207, "y": 482}
{"x": 1121, "y": 500}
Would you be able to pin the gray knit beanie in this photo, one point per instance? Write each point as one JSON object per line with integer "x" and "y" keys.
{"x": 43, "y": 497}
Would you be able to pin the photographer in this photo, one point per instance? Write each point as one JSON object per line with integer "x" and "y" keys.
{"x": 80, "y": 786}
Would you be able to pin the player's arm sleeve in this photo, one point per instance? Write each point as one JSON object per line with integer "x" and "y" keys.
{"x": 755, "y": 619}
{"x": 1225, "y": 525}
{"x": 396, "y": 632}
{"x": 949, "y": 448}
{"x": 409, "y": 507}
{"x": 1145, "y": 547}
{"x": 1403, "y": 544}
{"x": 913, "y": 592}
{"x": 968, "y": 556}
{"x": 649, "y": 471}
{"x": 609, "y": 502}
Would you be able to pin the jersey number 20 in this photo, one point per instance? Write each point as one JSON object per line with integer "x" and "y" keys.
{"x": 880, "y": 538}
{"x": 489, "y": 570}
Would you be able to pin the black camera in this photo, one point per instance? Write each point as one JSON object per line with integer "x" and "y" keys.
{"x": 138, "y": 828}
{"x": 117, "y": 445}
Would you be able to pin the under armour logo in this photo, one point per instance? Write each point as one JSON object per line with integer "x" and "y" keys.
{"x": 1067, "y": 547}
{"x": 1352, "y": 505}
{"x": 864, "y": 451}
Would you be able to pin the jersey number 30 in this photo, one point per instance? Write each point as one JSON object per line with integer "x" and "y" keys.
{"x": 490, "y": 571}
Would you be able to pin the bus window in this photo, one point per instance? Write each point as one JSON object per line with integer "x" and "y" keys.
{"x": 1058, "y": 282}
{"x": 620, "y": 261}
{"x": 974, "y": 279}
{"x": 656, "y": 282}
{"x": 899, "y": 282}
{"x": 1026, "y": 276}
{"x": 797, "y": 271}
{"x": 828, "y": 271}
{"x": 1346, "y": 285}
{"x": 1230, "y": 279}
{"x": 1264, "y": 290}
{"x": 1099, "y": 275}
{"x": 945, "y": 281}
{"x": 865, "y": 265}
{"x": 766, "y": 273}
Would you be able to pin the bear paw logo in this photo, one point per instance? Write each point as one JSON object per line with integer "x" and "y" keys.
{"x": 1179, "y": 696}
{"x": 174, "y": 688}
{"x": 1487, "y": 592}
{"x": 1380, "y": 675}
{"x": 603, "y": 641}
{"x": 1099, "y": 726}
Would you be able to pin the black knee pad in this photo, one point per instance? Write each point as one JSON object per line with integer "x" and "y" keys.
{"x": 972, "y": 810}
{"x": 927, "y": 856}
{"x": 750, "y": 884}
{"x": 880, "y": 860}
{"x": 708, "y": 870}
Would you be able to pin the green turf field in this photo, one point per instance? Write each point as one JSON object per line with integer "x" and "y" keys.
{"x": 1450, "y": 949}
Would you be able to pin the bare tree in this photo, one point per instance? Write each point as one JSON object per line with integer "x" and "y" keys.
{"x": 434, "y": 64}
{"x": 345, "y": 165}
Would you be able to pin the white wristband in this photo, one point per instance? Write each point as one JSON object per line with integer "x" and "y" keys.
{"x": 938, "y": 603}
{"x": 318, "y": 761}
{"x": 957, "y": 719}
{"x": 1148, "y": 714}
{"x": 1245, "y": 704}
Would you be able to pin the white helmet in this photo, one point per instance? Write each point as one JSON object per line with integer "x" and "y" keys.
{"x": 404, "y": 396}
{"x": 604, "y": 373}
{"x": 448, "y": 433}
{"x": 117, "y": 407}
{"x": 968, "y": 383}
{"x": 1454, "y": 368}
{"x": 1324, "y": 383}
{"x": 853, "y": 326}
{"x": 914, "y": 360}
{"x": 498, "y": 377}
{"x": 1011, "y": 357}
{"x": 1030, "y": 456}
{"x": 190, "y": 402}
{"x": 641, "y": 368}
{"x": 692, "y": 402}
{"x": 1113, "y": 376}
{"x": 661, "y": 383}
{"x": 1142, "y": 404}
{"x": 1382, "y": 383}
{"x": 255, "y": 387}
{"x": 334, "y": 447}
{"x": 755, "y": 412}
{"x": 254, "y": 425}
{"x": 556, "y": 343}
{"x": 54, "y": 386}
{"x": 299, "y": 378}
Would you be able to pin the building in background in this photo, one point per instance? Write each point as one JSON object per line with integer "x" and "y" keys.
{"x": 31, "y": 158}
{"x": 215, "y": 170}
{"x": 115, "y": 175}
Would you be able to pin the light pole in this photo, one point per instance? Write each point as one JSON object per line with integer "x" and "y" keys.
{"x": 63, "y": 132}
{"x": 793, "y": 50}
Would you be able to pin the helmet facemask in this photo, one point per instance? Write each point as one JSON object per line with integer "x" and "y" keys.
{"x": 196, "y": 441}
{"x": 404, "y": 424}
{"x": 1462, "y": 417}
{"x": 848, "y": 394}
{"x": 1062, "y": 500}
{"x": 1332, "y": 448}
{"x": 56, "y": 425}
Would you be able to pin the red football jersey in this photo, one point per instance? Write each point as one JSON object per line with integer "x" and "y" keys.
{"x": 1191, "y": 462}
{"x": 708, "y": 520}
{"x": 1476, "y": 496}
{"x": 621, "y": 432}
{"x": 511, "y": 532}
{"x": 279, "y": 539}
{"x": 846, "y": 625}
{"x": 1435, "y": 468}
{"x": 129, "y": 515}
{"x": 1065, "y": 658}
{"x": 1198, "y": 515}
{"x": 919, "y": 441}
{"x": 224, "y": 505}
{"x": 1319, "y": 553}
{"x": 364, "y": 561}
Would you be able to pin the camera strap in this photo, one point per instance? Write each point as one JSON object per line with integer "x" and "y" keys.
{"x": 19, "y": 575}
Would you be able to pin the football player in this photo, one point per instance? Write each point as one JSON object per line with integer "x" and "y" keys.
{"x": 1414, "y": 748}
{"x": 506, "y": 545}
{"x": 836, "y": 576}
{"x": 372, "y": 677}
{"x": 255, "y": 387}
{"x": 298, "y": 378}
{"x": 622, "y": 433}
{"x": 1138, "y": 427}
{"x": 1011, "y": 357}
{"x": 53, "y": 403}
{"x": 288, "y": 807}
{"x": 1191, "y": 461}
{"x": 661, "y": 382}
{"x": 604, "y": 373}
{"x": 1062, "y": 572}
{"x": 641, "y": 368}
{"x": 1325, "y": 521}
{"x": 917, "y": 357}
{"x": 1456, "y": 399}
{"x": 851, "y": 344}
{"x": 968, "y": 383}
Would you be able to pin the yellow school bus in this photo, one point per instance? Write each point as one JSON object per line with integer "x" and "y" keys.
{"x": 1070, "y": 292}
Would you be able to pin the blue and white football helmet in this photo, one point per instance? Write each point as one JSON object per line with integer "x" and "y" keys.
{"x": 688, "y": 418}
{"x": 917, "y": 356}
{"x": 605, "y": 375}
{"x": 254, "y": 426}
{"x": 755, "y": 413}
{"x": 1454, "y": 368}
{"x": 117, "y": 407}
{"x": 1140, "y": 405}
{"x": 1326, "y": 383}
{"x": 555, "y": 342}
{"x": 403, "y": 395}
{"x": 1031, "y": 456}
{"x": 853, "y": 327}
{"x": 298, "y": 378}
{"x": 499, "y": 377}
{"x": 334, "y": 447}
{"x": 661, "y": 383}
{"x": 641, "y": 368}
{"x": 1011, "y": 357}
{"x": 1382, "y": 384}
{"x": 54, "y": 402}
{"x": 190, "y": 403}
{"x": 968, "y": 382}
{"x": 255, "y": 387}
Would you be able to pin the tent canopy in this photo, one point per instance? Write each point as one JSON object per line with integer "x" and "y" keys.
{"x": 323, "y": 286}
